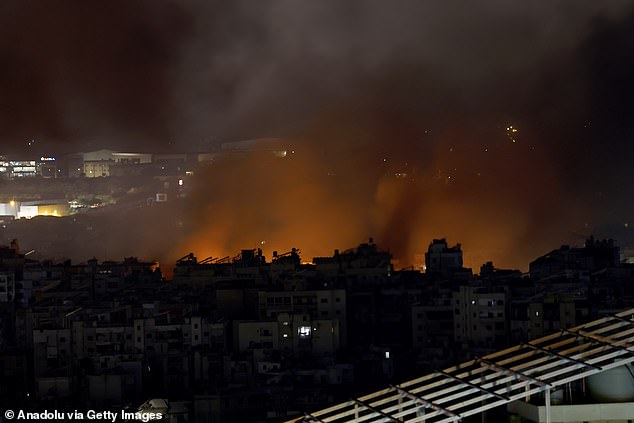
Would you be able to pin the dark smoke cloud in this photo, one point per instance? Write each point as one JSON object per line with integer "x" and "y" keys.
{"x": 80, "y": 72}
{"x": 429, "y": 86}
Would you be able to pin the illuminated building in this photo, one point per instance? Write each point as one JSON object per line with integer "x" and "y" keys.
{"x": 45, "y": 167}
{"x": 30, "y": 209}
{"x": 97, "y": 168}
{"x": 18, "y": 168}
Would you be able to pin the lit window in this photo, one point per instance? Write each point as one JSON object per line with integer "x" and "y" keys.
{"x": 387, "y": 354}
{"x": 304, "y": 331}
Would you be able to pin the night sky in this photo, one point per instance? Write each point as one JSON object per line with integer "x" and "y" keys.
{"x": 512, "y": 121}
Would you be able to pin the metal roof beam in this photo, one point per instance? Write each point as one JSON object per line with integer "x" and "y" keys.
{"x": 623, "y": 319}
{"x": 309, "y": 418}
{"x": 426, "y": 403}
{"x": 603, "y": 340}
{"x": 517, "y": 361}
{"x": 472, "y": 385}
{"x": 376, "y": 410}
{"x": 624, "y": 316}
{"x": 562, "y": 357}
{"x": 517, "y": 351}
{"x": 508, "y": 371}
{"x": 560, "y": 382}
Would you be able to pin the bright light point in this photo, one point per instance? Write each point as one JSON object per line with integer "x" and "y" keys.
{"x": 180, "y": 182}
{"x": 12, "y": 203}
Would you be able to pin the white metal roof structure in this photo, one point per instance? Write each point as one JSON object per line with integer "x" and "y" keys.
{"x": 496, "y": 379}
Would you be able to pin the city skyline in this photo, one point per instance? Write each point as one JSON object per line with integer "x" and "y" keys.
{"x": 293, "y": 211}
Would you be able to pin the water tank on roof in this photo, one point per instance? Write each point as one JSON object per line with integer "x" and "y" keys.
{"x": 614, "y": 385}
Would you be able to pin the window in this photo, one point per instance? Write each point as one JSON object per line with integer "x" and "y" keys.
{"x": 304, "y": 331}
{"x": 324, "y": 300}
{"x": 337, "y": 300}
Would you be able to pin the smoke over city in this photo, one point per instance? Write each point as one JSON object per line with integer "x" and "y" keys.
{"x": 490, "y": 123}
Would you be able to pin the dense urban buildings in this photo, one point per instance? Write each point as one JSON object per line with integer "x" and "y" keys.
{"x": 252, "y": 339}
{"x": 273, "y": 211}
